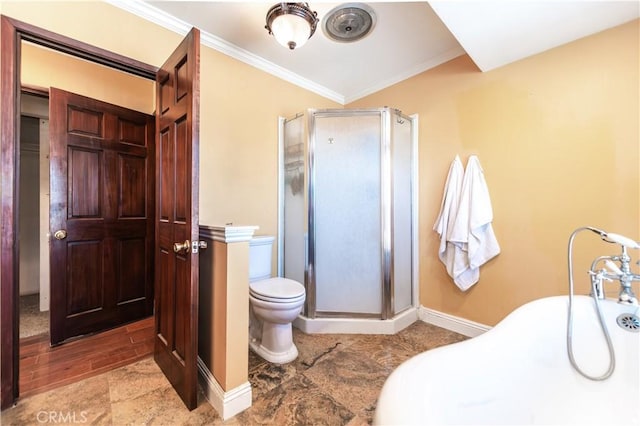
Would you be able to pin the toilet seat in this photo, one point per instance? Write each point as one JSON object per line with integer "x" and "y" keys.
{"x": 276, "y": 290}
{"x": 275, "y": 300}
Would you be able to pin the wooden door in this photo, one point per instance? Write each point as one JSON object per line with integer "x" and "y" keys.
{"x": 101, "y": 215}
{"x": 177, "y": 130}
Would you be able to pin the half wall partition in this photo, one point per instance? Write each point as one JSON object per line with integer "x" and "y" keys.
{"x": 348, "y": 217}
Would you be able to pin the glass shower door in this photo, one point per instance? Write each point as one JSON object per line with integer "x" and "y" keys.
{"x": 401, "y": 164}
{"x": 294, "y": 209}
{"x": 346, "y": 213}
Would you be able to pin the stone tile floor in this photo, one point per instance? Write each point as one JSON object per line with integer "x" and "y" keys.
{"x": 335, "y": 381}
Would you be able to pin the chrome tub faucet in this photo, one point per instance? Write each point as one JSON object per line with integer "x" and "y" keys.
{"x": 614, "y": 272}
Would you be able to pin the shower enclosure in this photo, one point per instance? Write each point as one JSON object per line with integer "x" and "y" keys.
{"x": 347, "y": 205}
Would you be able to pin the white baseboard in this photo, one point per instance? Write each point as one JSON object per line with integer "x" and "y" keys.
{"x": 451, "y": 322}
{"x": 227, "y": 404}
{"x": 357, "y": 325}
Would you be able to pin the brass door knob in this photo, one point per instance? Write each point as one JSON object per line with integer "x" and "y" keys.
{"x": 178, "y": 247}
{"x": 60, "y": 234}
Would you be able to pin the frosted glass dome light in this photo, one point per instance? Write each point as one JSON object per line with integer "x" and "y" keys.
{"x": 292, "y": 24}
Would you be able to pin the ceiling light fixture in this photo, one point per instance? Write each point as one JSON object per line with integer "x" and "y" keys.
{"x": 292, "y": 24}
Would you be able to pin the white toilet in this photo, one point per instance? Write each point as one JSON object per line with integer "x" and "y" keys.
{"x": 274, "y": 304}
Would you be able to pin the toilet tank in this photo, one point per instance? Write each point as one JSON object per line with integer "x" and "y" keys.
{"x": 260, "y": 249}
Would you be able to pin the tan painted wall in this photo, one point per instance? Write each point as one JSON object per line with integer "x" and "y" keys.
{"x": 239, "y": 110}
{"x": 223, "y": 332}
{"x": 240, "y": 106}
{"x": 237, "y": 330}
{"x": 558, "y": 137}
{"x": 44, "y": 68}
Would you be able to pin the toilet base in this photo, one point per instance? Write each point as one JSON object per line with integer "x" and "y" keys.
{"x": 283, "y": 357}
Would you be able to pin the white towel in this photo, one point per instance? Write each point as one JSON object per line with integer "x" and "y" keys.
{"x": 472, "y": 230}
{"x": 448, "y": 252}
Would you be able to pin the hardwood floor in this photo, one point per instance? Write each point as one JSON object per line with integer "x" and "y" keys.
{"x": 43, "y": 367}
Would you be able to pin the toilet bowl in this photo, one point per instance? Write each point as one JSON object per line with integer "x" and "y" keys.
{"x": 274, "y": 304}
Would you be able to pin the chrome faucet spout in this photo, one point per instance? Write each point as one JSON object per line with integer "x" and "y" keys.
{"x": 627, "y": 297}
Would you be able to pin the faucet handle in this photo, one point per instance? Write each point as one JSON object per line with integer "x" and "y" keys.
{"x": 613, "y": 267}
{"x": 600, "y": 275}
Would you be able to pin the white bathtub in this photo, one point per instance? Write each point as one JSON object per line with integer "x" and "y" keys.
{"x": 519, "y": 373}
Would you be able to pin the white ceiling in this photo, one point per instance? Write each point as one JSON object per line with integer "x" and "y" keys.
{"x": 408, "y": 38}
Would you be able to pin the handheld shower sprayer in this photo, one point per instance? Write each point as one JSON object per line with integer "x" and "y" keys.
{"x": 610, "y": 237}
{"x": 627, "y": 242}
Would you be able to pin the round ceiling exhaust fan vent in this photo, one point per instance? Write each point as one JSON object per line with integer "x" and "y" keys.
{"x": 349, "y": 22}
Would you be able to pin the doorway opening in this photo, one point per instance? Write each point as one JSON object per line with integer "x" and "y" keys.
{"x": 34, "y": 214}
{"x": 42, "y": 367}
{"x": 14, "y": 36}
{"x": 177, "y": 104}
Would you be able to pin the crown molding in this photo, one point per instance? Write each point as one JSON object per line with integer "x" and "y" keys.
{"x": 165, "y": 20}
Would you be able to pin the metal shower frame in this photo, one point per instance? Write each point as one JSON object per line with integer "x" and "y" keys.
{"x": 386, "y": 210}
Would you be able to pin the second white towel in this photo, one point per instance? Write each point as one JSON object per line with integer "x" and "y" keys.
{"x": 469, "y": 240}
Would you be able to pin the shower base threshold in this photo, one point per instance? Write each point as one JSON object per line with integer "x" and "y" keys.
{"x": 356, "y": 325}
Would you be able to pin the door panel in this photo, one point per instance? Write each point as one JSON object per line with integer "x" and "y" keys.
{"x": 176, "y": 343}
{"x": 102, "y": 195}
{"x": 84, "y": 188}
{"x": 131, "y": 262}
{"x": 85, "y": 280}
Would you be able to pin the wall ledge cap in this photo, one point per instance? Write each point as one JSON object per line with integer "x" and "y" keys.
{"x": 228, "y": 233}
